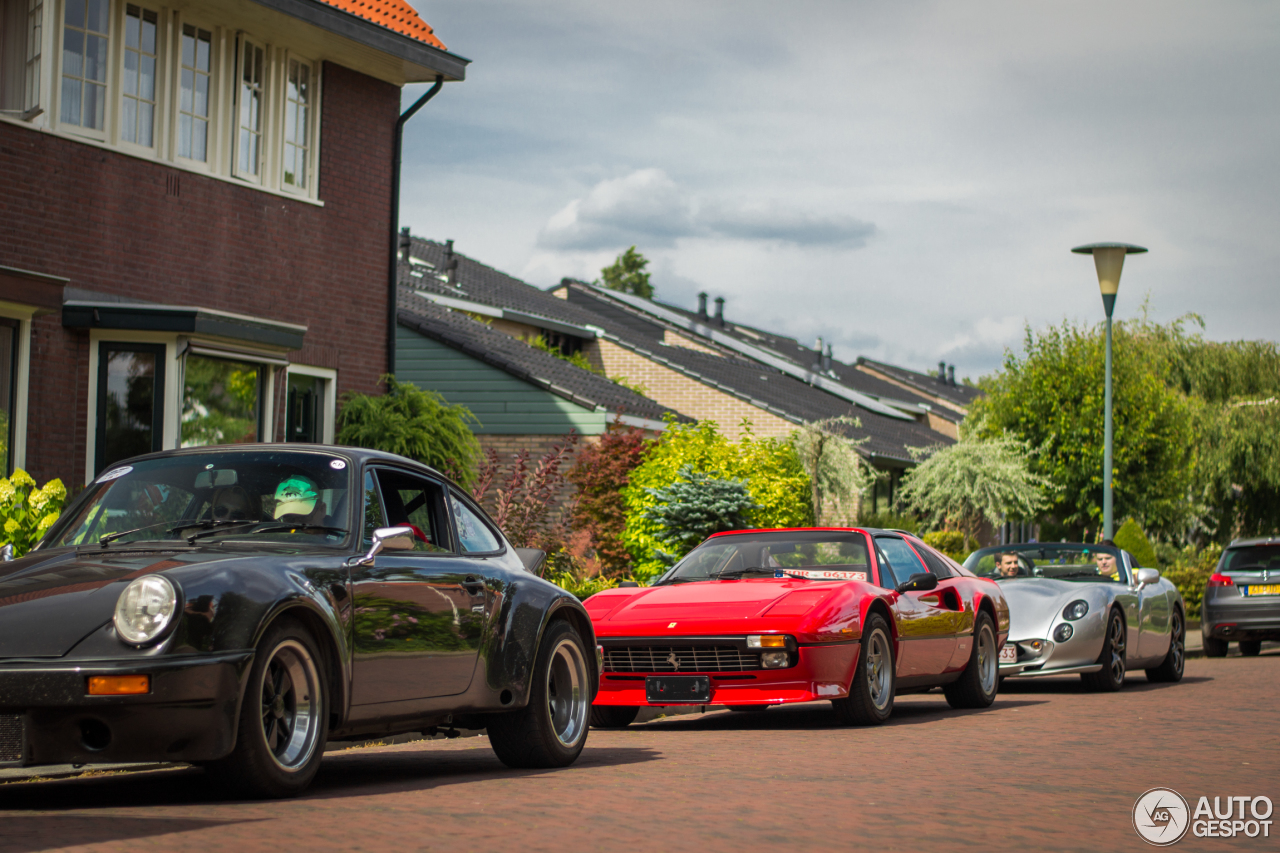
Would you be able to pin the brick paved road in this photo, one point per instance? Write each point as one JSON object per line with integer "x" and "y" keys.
{"x": 1047, "y": 767}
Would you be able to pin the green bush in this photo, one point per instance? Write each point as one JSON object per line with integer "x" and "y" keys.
{"x": 1131, "y": 538}
{"x": 27, "y": 512}
{"x": 582, "y": 587}
{"x": 414, "y": 423}
{"x": 1190, "y": 572}
{"x": 696, "y": 506}
{"x": 770, "y": 468}
{"x": 950, "y": 542}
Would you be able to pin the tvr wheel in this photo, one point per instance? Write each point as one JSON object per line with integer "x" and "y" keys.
{"x": 1170, "y": 669}
{"x": 870, "y": 699}
{"x": 978, "y": 684}
{"x": 1215, "y": 647}
{"x": 552, "y": 729}
{"x": 1112, "y": 658}
{"x": 613, "y": 716}
{"x": 283, "y": 718}
{"x": 1250, "y": 648}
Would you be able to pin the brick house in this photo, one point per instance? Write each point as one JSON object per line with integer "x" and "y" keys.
{"x": 196, "y": 220}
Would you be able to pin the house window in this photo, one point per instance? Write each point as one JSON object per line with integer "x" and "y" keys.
{"x": 251, "y": 103}
{"x": 84, "y": 64}
{"x": 193, "y": 105}
{"x": 310, "y": 403}
{"x": 138, "y": 83}
{"x": 130, "y": 401}
{"x": 8, "y": 388}
{"x": 297, "y": 124}
{"x": 20, "y": 34}
{"x": 222, "y": 401}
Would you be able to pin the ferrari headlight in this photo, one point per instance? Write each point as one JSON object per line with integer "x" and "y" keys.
{"x": 145, "y": 609}
{"x": 774, "y": 660}
{"x": 1063, "y": 632}
{"x": 766, "y": 641}
{"x": 1075, "y": 609}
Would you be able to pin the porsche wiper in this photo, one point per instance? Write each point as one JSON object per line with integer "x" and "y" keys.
{"x": 213, "y": 528}
{"x": 108, "y": 538}
{"x": 308, "y": 528}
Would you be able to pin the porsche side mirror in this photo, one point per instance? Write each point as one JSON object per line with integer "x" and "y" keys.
{"x": 1147, "y": 577}
{"x": 919, "y": 582}
{"x": 387, "y": 539}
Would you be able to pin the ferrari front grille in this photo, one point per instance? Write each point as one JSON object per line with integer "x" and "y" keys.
{"x": 678, "y": 659}
{"x": 12, "y": 746}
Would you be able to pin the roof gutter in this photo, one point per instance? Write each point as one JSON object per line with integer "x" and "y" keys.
{"x": 393, "y": 273}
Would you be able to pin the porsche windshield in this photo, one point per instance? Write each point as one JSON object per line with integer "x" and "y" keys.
{"x": 258, "y": 495}
{"x": 1059, "y": 562}
{"x": 812, "y": 556}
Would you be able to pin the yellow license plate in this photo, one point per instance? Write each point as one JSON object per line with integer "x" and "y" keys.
{"x": 1262, "y": 589}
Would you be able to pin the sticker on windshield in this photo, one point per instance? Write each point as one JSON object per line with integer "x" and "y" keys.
{"x": 115, "y": 473}
{"x": 337, "y": 464}
{"x": 821, "y": 574}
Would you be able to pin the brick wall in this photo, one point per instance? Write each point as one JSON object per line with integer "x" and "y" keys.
{"x": 105, "y": 221}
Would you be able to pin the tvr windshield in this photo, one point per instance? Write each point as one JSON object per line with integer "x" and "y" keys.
{"x": 263, "y": 495}
{"x": 818, "y": 556}
{"x": 1096, "y": 563}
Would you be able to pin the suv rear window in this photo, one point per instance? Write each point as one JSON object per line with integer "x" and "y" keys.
{"x": 1252, "y": 558}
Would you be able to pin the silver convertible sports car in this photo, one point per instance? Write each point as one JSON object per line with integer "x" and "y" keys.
{"x": 1087, "y": 609}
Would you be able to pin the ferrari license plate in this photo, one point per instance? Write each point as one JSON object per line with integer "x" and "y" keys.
{"x": 1009, "y": 654}
{"x": 677, "y": 689}
{"x": 1261, "y": 589}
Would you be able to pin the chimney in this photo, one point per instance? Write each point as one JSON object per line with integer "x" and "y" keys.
{"x": 702, "y": 305}
{"x": 826, "y": 360}
{"x": 942, "y": 371}
{"x": 720, "y": 311}
{"x": 406, "y": 243}
{"x": 951, "y": 375}
{"x": 817, "y": 355}
{"x": 450, "y": 264}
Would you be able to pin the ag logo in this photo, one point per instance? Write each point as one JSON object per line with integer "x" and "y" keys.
{"x": 1161, "y": 816}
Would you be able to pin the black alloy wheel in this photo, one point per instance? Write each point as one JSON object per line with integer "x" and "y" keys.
{"x": 1111, "y": 677}
{"x": 283, "y": 718}
{"x": 552, "y": 729}
{"x": 1215, "y": 647}
{"x": 870, "y": 699}
{"x": 978, "y": 684}
{"x": 1250, "y": 648}
{"x": 613, "y": 716}
{"x": 1170, "y": 669}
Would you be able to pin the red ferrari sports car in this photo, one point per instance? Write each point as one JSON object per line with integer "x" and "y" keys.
{"x": 754, "y": 618}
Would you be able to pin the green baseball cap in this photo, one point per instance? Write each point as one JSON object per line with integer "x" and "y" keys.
{"x": 295, "y": 496}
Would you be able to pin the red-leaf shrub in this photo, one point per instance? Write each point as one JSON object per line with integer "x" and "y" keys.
{"x": 600, "y": 473}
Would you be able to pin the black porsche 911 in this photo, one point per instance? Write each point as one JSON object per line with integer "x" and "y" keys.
{"x": 239, "y": 607}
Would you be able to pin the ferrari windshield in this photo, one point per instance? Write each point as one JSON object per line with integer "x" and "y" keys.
{"x": 1059, "y": 561}
{"x": 818, "y": 555}
{"x": 262, "y": 495}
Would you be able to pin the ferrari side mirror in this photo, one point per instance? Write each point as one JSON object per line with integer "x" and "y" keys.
{"x": 919, "y": 582}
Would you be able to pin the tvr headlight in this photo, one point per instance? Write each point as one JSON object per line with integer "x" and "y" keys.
{"x": 145, "y": 609}
{"x": 1075, "y": 610}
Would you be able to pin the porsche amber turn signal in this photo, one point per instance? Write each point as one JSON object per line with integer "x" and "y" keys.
{"x": 119, "y": 685}
{"x": 766, "y": 641}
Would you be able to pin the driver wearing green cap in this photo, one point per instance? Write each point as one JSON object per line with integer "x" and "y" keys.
{"x": 297, "y": 501}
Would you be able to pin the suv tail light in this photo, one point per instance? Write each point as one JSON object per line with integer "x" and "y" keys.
{"x": 1220, "y": 580}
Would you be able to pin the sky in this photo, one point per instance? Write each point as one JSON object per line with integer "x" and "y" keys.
{"x": 904, "y": 179}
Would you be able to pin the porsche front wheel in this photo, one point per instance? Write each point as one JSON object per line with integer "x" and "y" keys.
{"x": 870, "y": 699}
{"x": 613, "y": 716}
{"x": 977, "y": 685}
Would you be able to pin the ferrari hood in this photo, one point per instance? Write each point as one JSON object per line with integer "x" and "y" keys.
{"x": 692, "y": 606}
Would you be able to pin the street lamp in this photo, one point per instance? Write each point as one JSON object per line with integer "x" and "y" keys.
{"x": 1109, "y": 259}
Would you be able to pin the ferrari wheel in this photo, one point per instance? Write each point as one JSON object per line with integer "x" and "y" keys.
{"x": 613, "y": 716}
{"x": 977, "y": 685}
{"x": 283, "y": 718}
{"x": 870, "y": 699}
{"x": 552, "y": 729}
{"x": 1250, "y": 648}
{"x": 1170, "y": 669}
{"x": 1215, "y": 647}
{"x": 1112, "y": 658}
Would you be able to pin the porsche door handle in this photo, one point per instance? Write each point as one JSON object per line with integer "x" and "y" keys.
{"x": 472, "y": 585}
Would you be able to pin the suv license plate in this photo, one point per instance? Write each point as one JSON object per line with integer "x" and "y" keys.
{"x": 1262, "y": 589}
{"x": 677, "y": 689}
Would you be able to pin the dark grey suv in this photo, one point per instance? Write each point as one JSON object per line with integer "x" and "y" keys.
{"x": 1242, "y": 598}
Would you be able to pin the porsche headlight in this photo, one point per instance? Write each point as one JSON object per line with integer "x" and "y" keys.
{"x": 145, "y": 609}
{"x": 1075, "y": 610}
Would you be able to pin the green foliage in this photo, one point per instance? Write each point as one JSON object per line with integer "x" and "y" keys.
{"x": 1190, "y": 571}
{"x": 695, "y": 506}
{"x": 414, "y": 423}
{"x": 582, "y": 587}
{"x": 1051, "y": 396}
{"x": 627, "y": 274}
{"x": 770, "y": 468}
{"x": 220, "y": 402}
{"x": 975, "y": 479}
{"x": 27, "y": 512}
{"x": 1131, "y": 538}
{"x": 837, "y": 475}
{"x": 577, "y": 359}
{"x": 634, "y": 387}
{"x": 601, "y": 471}
{"x": 950, "y": 542}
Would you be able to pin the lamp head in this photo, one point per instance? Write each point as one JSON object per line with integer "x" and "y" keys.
{"x": 1108, "y": 258}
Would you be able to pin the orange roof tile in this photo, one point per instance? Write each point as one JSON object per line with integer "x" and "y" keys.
{"x": 395, "y": 15}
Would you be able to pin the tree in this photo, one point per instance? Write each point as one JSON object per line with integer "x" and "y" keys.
{"x": 627, "y": 274}
{"x": 959, "y": 486}
{"x": 836, "y": 473}
{"x": 601, "y": 471}
{"x": 414, "y": 423}
{"x": 695, "y": 506}
{"x": 1131, "y": 538}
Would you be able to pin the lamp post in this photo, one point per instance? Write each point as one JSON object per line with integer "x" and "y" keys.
{"x": 1109, "y": 260}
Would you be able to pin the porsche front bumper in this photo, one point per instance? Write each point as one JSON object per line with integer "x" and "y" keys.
{"x": 188, "y": 715}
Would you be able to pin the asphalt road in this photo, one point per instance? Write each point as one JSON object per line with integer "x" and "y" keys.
{"x": 1048, "y": 767}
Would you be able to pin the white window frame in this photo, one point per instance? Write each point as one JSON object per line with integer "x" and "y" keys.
{"x": 266, "y": 110}
{"x": 172, "y": 395}
{"x": 330, "y": 404}
{"x": 21, "y": 379}
{"x": 109, "y": 108}
{"x": 216, "y": 86}
{"x": 160, "y": 115}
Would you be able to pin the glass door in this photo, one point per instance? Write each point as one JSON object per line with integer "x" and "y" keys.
{"x": 130, "y": 401}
